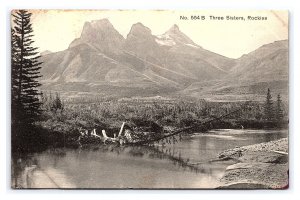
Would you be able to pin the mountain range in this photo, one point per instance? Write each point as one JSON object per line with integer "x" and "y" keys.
{"x": 102, "y": 62}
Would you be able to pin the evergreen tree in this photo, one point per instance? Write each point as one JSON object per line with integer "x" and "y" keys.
{"x": 14, "y": 76}
{"x": 25, "y": 70}
{"x": 268, "y": 107}
{"x": 279, "y": 111}
{"x": 57, "y": 104}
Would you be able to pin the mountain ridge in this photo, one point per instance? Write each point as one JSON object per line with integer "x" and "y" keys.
{"x": 169, "y": 62}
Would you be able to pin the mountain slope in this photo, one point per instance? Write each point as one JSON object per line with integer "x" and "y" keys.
{"x": 266, "y": 67}
{"x": 268, "y": 62}
{"x": 101, "y": 54}
{"x": 102, "y": 61}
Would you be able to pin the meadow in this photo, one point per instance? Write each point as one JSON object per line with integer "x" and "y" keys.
{"x": 156, "y": 113}
{"x": 61, "y": 119}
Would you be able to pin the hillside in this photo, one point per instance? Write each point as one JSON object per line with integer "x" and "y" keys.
{"x": 266, "y": 67}
{"x": 101, "y": 61}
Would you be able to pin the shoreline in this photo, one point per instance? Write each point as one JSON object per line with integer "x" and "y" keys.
{"x": 258, "y": 166}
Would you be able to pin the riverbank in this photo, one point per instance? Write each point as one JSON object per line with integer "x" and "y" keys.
{"x": 59, "y": 125}
{"x": 259, "y": 166}
{"x": 89, "y": 167}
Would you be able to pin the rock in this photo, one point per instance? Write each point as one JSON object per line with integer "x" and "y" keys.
{"x": 259, "y": 166}
{"x": 264, "y": 157}
{"x": 235, "y": 153}
{"x": 273, "y": 176}
{"x": 244, "y": 186}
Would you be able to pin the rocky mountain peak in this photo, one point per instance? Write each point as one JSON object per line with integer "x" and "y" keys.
{"x": 139, "y": 29}
{"x": 96, "y": 25}
{"x": 97, "y": 28}
{"x": 101, "y": 22}
{"x": 177, "y": 36}
{"x": 100, "y": 34}
{"x": 174, "y": 29}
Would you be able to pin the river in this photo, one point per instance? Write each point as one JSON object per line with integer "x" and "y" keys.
{"x": 185, "y": 164}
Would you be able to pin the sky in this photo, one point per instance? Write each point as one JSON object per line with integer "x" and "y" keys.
{"x": 54, "y": 30}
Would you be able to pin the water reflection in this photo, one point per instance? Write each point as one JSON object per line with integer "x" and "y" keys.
{"x": 185, "y": 164}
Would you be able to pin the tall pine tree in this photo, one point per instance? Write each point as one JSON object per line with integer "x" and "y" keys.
{"x": 279, "y": 110}
{"x": 268, "y": 107}
{"x": 14, "y": 76}
{"x": 25, "y": 71}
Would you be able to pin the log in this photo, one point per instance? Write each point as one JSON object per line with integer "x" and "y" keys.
{"x": 281, "y": 152}
{"x": 121, "y": 130}
{"x": 189, "y": 128}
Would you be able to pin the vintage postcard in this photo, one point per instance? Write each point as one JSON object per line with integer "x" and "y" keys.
{"x": 155, "y": 99}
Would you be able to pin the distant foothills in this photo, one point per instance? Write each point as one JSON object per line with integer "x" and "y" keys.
{"x": 101, "y": 62}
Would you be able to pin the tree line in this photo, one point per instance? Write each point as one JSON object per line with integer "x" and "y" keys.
{"x": 273, "y": 112}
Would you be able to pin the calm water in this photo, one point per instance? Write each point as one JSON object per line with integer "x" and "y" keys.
{"x": 181, "y": 165}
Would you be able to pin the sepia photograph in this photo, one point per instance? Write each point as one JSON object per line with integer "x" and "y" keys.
{"x": 149, "y": 99}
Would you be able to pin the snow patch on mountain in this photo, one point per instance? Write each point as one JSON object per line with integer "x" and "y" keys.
{"x": 165, "y": 40}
